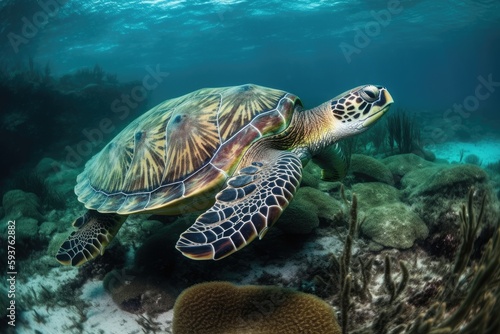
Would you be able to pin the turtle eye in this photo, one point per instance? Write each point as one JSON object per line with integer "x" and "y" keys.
{"x": 370, "y": 93}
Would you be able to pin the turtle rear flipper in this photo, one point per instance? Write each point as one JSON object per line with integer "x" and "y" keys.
{"x": 95, "y": 232}
{"x": 251, "y": 202}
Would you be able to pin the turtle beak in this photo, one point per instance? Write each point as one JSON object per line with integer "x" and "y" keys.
{"x": 383, "y": 105}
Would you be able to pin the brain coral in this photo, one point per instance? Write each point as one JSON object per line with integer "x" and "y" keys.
{"x": 224, "y": 308}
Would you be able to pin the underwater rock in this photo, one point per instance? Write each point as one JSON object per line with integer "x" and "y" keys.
{"x": 221, "y": 307}
{"x": 18, "y": 203}
{"x": 26, "y": 229}
{"x": 298, "y": 218}
{"x": 449, "y": 180}
{"x": 47, "y": 229}
{"x": 311, "y": 177}
{"x": 368, "y": 169}
{"x": 64, "y": 181}
{"x": 412, "y": 182}
{"x": 308, "y": 208}
{"x": 58, "y": 178}
{"x": 394, "y": 225}
{"x": 138, "y": 294}
{"x": 473, "y": 159}
{"x": 437, "y": 193}
{"x": 47, "y": 166}
{"x": 401, "y": 164}
{"x": 374, "y": 194}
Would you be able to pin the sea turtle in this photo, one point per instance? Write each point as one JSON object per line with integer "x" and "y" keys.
{"x": 236, "y": 151}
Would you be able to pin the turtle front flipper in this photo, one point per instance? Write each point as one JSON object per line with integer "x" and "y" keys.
{"x": 252, "y": 201}
{"x": 95, "y": 232}
{"x": 333, "y": 162}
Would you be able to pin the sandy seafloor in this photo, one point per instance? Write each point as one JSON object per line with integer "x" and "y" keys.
{"x": 487, "y": 150}
{"x": 104, "y": 316}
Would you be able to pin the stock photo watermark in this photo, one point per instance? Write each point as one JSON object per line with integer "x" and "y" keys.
{"x": 32, "y": 26}
{"x": 455, "y": 115}
{"x": 11, "y": 272}
{"x": 363, "y": 37}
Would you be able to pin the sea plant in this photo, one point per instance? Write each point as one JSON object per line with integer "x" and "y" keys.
{"x": 466, "y": 297}
{"x": 403, "y": 132}
{"x": 478, "y": 292}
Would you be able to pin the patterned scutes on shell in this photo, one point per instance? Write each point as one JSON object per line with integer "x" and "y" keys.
{"x": 181, "y": 148}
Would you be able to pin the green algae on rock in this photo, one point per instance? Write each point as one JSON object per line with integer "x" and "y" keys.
{"x": 394, "y": 225}
{"x": 374, "y": 194}
{"x": 309, "y": 207}
{"x": 401, "y": 164}
{"x": 436, "y": 193}
{"x": 366, "y": 168}
{"x": 17, "y": 204}
{"x": 446, "y": 179}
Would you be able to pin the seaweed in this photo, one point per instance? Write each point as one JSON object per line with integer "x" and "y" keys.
{"x": 476, "y": 294}
{"x": 403, "y": 132}
{"x": 465, "y": 298}
{"x": 148, "y": 324}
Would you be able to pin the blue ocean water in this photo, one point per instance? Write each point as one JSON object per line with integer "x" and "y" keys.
{"x": 429, "y": 53}
{"x": 74, "y": 73}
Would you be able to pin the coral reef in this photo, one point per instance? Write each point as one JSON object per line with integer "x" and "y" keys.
{"x": 370, "y": 289}
{"x": 375, "y": 273}
{"x": 221, "y": 307}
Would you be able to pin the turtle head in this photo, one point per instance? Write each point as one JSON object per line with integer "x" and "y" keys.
{"x": 357, "y": 109}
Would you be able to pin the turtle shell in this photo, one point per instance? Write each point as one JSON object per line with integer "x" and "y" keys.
{"x": 175, "y": 156}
